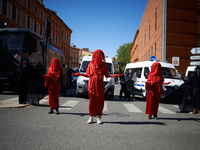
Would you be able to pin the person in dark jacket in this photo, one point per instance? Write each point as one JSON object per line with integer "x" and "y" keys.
{"x": 23, "y": 73}
{"x": 130, "y": 85}
{"x": 195, "y": 86}
{"x": 123, "y": 87}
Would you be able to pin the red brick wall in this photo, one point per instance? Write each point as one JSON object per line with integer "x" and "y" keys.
{"x": 181, "y": 32}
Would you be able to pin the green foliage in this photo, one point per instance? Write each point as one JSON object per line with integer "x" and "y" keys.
{"x": 123, "y": 55}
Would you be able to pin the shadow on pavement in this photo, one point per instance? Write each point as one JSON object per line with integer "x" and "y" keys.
{"x": 181, "y": 119}
{"x": 137, "y": 123}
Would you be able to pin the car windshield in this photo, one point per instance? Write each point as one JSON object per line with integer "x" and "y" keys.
{"x": 170, "y": 73}
{"x": 86, "y": 63}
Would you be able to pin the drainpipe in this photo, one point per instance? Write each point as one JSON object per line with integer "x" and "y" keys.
{"x": 164, "y": 24}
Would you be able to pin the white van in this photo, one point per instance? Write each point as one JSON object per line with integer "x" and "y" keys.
{"x": 141, "y": 71}
{"x": 82, "y": 82}
{"x": 190, "y": 71}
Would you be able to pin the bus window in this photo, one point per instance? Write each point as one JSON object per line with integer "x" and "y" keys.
{"x": 146, "y": 72}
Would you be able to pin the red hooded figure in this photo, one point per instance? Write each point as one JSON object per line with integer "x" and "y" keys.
{"x": 154, "y": 89}
{"x": 53, "y": 83}
{"x": 96, "y": 70}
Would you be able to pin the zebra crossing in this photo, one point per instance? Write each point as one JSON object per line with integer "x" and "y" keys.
{"x": 130, "y": 107}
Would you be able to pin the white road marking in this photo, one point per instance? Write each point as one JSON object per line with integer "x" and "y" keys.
{"x": 165, "y": 111}
{"x": 175, "y": 106}
{"x": 105, "y": 107}
{"x": 68, "y": 105}
{"x": 132, "y": 108}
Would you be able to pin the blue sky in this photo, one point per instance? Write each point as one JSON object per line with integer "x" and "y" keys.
{"x": 100, "y": 24}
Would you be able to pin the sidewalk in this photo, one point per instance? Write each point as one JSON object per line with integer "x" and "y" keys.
{"x": 14, "y": 103}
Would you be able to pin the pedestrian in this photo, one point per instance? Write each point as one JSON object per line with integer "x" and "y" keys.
{"x": 53, "y": 83}
{"x": 23, "y": 73}
{"x": 130, "y": 85}
{"x": 195, "y": 86}
{"x": 123, "y": 89}
{"x": 66, "y": 78}
{"x": 96, "y": 71}
{"x": 154, "y": 90}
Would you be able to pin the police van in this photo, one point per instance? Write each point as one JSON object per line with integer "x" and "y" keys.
{"x": 82, "y": 82}
{"x": 189, "y": 71}
{"x": 141, "y": 70}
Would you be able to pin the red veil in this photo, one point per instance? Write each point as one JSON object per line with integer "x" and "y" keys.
{"x": 96, "y": 70}
{"x": 154, "y": 88}
{"x": 52, "y": 82}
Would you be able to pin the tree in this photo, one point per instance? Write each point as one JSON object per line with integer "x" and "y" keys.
{"x": 123, "y": 55}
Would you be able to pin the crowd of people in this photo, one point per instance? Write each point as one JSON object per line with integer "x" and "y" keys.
{"x": 58, "y": 80}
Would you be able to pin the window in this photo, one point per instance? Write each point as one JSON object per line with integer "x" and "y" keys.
{"x": 14, "y": 9}
{"x": 28, "y": 22}
{"x": 41, "y": 15}
{"x": 35, "y": 26}
{"x": 41, "y": 30}
{"x": 146, "y": 55}
{"x": 156, "y": 19}
{"x": 21, "y": 16}
{"x": 146, "y": 72}
{"x": 28, "y": 5}
{"x": 149, "y": 29}
{"x": 35, "y": 10}
{"x": 155, "y": 50}
{"x": 4, "y": 7}
{"x": 136, "y": 72}
{"x": 151, "y": 50}
{"x": 116, "y": 67}
{"x": 145, "y": 38}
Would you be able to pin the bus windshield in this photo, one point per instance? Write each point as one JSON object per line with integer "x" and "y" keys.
{"x": 86, "y": 63}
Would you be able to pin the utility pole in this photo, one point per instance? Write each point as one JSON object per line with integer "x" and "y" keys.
{"x": 47, "y": 35}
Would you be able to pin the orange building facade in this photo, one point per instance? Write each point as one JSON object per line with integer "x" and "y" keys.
{"x": 74, "y": 53}
{"x": 169, "y": 28}
{"x": 32, "y": 14}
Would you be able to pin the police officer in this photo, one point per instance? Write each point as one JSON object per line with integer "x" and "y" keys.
{"x": 123, "y": 87}
{"x": 130, "y": 85}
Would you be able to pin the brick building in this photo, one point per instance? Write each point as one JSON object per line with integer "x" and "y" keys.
{"x": 32, "y": 14}
{"x": 116, "y": 66}
{"x": 169, "y": 28}
{"x": 74, "y": 53}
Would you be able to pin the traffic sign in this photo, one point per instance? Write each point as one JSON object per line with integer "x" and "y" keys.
{"x": 175, "y": 61}
{"x": 195, "y": 63}
{"x": 195, "y": 57}
{"x": 195, "y": 50}
{"x": 153, "y": 58}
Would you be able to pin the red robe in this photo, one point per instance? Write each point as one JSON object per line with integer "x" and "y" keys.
{"x": 96, "y": 70}
{"x": 52, "y": 82}
{"x": 154, "y": 89}
{"x": 96, "y": 88}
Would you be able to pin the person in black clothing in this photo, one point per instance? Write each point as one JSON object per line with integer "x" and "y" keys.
{"x": 23, "y": 73}
{"x": 130, "y": 85}
{"x": 195, "y": 85}
{"x": 123, "y": 87}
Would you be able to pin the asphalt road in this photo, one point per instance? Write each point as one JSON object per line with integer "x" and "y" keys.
{"x": 125, "y": 127}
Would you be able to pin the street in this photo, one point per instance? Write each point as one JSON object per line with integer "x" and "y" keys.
{"x": 125, "y": 126}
